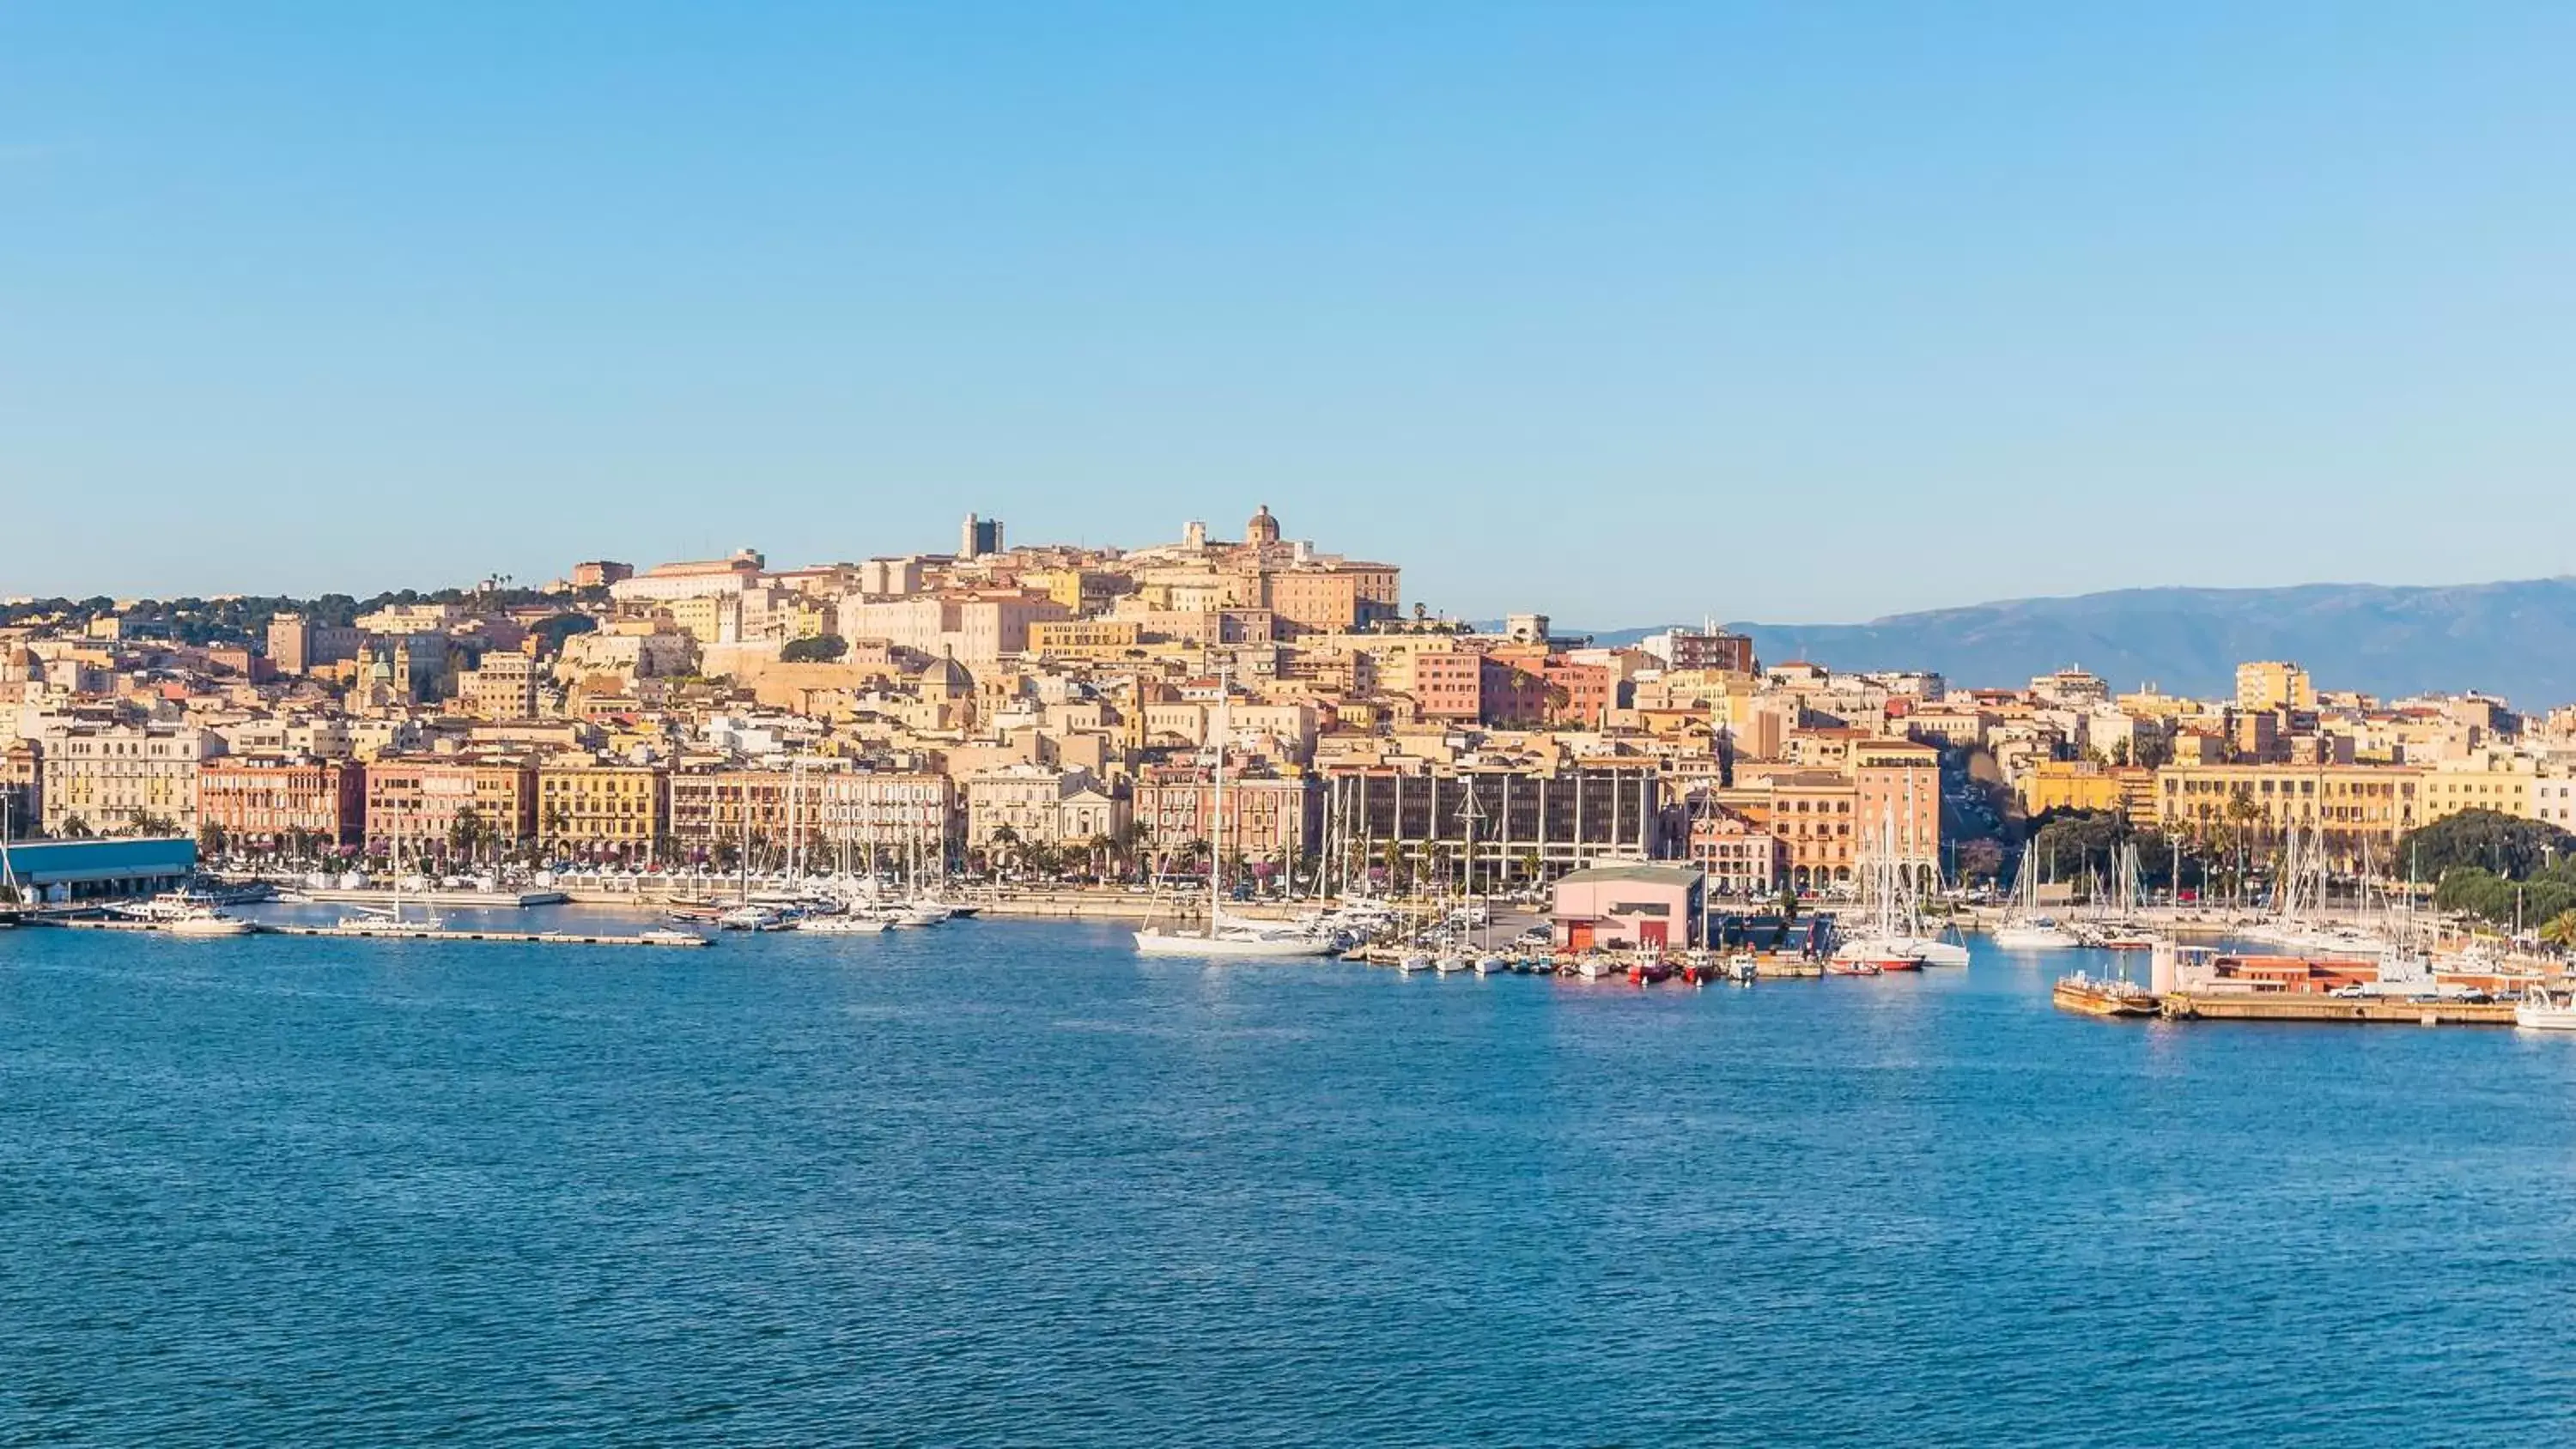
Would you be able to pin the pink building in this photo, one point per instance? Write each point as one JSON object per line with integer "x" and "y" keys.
{"x": 1614, "y": 907}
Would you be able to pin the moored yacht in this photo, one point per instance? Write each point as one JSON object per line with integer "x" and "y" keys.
{"x": 2541, "y": 1011}
{"x": 2033, "y": 933}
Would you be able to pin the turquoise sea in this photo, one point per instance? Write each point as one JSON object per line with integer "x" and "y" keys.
{"x": 1007, "y": 1183}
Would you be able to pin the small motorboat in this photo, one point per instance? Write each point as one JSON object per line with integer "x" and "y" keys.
{"x": 846, "y": 925}
{"x": 755, "y": 918}
{"x": 2540, "y": 1011}
{"x": 206, "y": 922}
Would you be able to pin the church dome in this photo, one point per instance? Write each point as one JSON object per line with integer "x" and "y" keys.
{"x": 1263, "y": 528}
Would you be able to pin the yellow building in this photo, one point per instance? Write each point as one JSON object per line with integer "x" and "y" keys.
{"x": 602, "y": 810}
{"x": 1086, "y": 638}
{"x": 2486, "y": 781}
{"x": 2352, "y": 806}
{"x": 2070, "y": 785}
{"x": 2274, "y": 684}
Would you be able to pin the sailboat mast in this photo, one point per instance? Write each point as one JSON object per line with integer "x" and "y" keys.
{"x": 1216, "y": 802}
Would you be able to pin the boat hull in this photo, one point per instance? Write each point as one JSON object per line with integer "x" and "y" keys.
{"x": 2093, "y": 998}
{"x": 2016, "y": 938}
{"x": 1159, "y": 943}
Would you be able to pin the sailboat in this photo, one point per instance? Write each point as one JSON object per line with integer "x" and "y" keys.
{"x": 1223, "y": 938}
{"x": 1895, "y": 939}
{"x": 2024, "y": 927}
{"x": 372, "y": 922}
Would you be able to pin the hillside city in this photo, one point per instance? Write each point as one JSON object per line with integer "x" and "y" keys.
{"x": 1045, "y": 712}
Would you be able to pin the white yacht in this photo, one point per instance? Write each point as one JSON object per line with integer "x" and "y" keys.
{"x": 2540, "y": 1011}
{"x": 851, "y": 924}
{"x": 2023, "y": 928}
{"x": 755, "y": 918}
{"x": 206, "y": 922}
{"x": 2034, "y": 933}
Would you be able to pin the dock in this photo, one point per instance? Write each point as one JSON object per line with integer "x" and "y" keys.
{"x": 390, "y": 932}
{"x": 496, "y": 900}
{"x": 2247, "y": 1006}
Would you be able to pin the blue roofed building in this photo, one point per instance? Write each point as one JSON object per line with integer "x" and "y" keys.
{"x": 66, "y": 870}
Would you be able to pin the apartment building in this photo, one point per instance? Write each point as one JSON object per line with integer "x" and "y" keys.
{"x": 2352, "y": 807}
{"x": 1277, "y": 818}
{"x": 603, "y": 812}
{"x": 894, "y": 814}
{"x": 119, "y": 779}
{"x": 267, "y": 804}
{"x": 416, "y": 804}
{"x": 502, "y": 686}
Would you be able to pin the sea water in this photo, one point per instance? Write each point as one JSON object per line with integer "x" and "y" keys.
{"x": 1009, "y": 1183}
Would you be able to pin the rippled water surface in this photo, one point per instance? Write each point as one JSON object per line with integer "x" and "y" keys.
{"x": 1006, "y": 1183}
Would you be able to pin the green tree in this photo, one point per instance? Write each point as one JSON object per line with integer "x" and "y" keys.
{"x": 551, "y": 633}
{"x": 821, "y": 649}
{"x": 2487, "y": 840}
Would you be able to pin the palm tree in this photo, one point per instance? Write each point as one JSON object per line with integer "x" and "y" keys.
{"x": 465, "y": 836}
{"x": 2561, "y": 930}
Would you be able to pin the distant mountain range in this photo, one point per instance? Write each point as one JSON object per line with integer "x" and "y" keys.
{"x": 2513, "y": 639}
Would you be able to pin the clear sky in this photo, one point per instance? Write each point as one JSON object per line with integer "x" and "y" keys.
{"x": 1624, "y": 312}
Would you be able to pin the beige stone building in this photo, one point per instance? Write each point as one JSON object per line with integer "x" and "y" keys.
{"x": 117, "y": 779}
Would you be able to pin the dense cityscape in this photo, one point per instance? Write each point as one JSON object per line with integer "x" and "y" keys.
{"x": 1044, "y": 714}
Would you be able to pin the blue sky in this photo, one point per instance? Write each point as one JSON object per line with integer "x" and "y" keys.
{"x": 1624, "y": 312}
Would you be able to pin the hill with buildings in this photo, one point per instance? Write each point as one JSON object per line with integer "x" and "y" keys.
{"x": 2517, "y": 639}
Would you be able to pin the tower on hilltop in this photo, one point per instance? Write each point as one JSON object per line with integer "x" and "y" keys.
{"x": 979, "y": 537}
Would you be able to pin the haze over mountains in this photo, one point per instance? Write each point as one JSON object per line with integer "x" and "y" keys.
{"x": 2516, "y": 639}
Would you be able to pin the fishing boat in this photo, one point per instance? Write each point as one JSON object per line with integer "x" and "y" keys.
{"x": 2101, "y": 996}
{"x": 1412, "y": 961}
{"x": 1225, "y": 939}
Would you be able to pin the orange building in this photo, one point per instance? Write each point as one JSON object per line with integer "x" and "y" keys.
{"x": 262, "y": 803}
